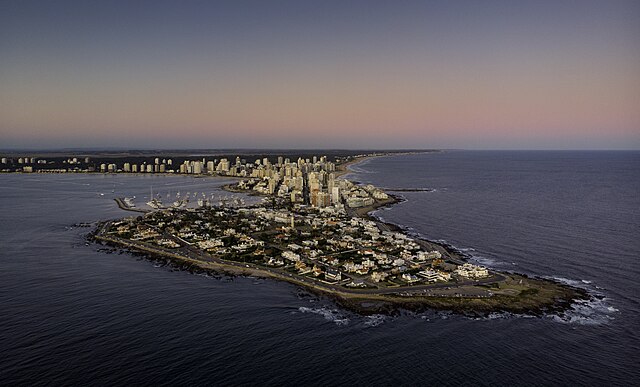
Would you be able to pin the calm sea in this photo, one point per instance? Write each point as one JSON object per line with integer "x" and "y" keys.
{"x": 73, "y": 315}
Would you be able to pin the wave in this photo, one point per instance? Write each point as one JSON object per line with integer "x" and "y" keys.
{"x": 581, "y": 283}
{"x": 374, "y": 320}
{"x": 358, "y": 169}
{"x": 357, "y": 166}
{"x": 332, "y": 315}
{"x": 595, "y": 311}
{"x": 501, "y": 316}
{"x": 491, "y": 263}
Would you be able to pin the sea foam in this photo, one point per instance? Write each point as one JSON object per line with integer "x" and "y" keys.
{"x": 332, "y": 315}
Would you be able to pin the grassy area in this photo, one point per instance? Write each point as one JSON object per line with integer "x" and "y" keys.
{"x": 516, "y": 295}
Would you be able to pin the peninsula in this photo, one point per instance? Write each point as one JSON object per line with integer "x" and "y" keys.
{"x": 313, "y": 228}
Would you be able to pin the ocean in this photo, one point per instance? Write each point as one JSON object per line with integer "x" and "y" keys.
{"x": 72, "y": 313}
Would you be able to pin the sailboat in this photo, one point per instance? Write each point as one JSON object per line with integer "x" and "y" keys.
{"x": 154, "y": 202}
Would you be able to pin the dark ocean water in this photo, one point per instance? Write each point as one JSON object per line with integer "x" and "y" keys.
{"x": 72, "y": 315}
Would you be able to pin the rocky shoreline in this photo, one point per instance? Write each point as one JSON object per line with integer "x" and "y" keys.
{"x": 540, "y": 296}
{"x": 529, "y": 303}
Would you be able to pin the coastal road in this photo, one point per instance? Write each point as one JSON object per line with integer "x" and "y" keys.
{"x": 190, "y": 254}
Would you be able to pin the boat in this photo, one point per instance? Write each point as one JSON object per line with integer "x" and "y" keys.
{"x": 129, "y": 202}
{"x": 154, "y": 202}
{"x": 180, "y": 203}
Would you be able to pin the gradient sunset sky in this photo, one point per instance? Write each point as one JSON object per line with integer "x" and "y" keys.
{"x": 320, "y": 74}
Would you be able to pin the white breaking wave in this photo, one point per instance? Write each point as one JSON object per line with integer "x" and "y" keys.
{"x": 566, "y": 281}
{"x": 571, "y": 282}
{"x": 488, "y": 262}
{"x": 328, "y": 314}
{"x": 588, "y": 312}
{"x": 374, "y": 320}
{"x": 358, "y": 168}
{"x": 501, "y": 316}
{"x": 595, "y": 311}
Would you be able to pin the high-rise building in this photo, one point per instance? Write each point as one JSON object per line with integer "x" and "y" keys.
{"x": 272, "y": 185}
{"x": 223, "y": 166}
{"x": 197, "y": 167}
{"x": 335, "y": 195}
{"x": 320, "y": 199}
{"x": 296, "y": 196}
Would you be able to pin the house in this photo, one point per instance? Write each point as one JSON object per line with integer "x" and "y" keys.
{"x": 429, "y": 275}
{"x": 290, "y": 255}
{"x": 332, "y": 275}
{"x": 468, "y": 270}
{"x": 378, "y": 276}
{"x": 302, "y": 268}
{"x": 274, "y": 262}
{"x": 424, "y": 255}
{"x": 294, "y": 247}
{"x": 410, "y": 278}
{"x": 362, "y": 271}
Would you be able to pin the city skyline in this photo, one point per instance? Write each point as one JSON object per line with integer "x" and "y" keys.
{"x": 383, "y": 75}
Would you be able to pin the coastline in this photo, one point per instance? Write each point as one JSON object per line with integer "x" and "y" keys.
{"x": 519, "y": 294}
{"x": 508, "y": 292}
{"x": 343, "y": 168}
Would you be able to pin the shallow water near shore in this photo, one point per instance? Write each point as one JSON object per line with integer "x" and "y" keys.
{"x": 74, "y": 315}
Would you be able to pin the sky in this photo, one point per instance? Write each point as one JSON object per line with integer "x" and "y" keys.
{"x": 320, "y": 74}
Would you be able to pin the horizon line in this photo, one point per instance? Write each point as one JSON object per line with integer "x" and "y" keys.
{"x": 227, "y": 149}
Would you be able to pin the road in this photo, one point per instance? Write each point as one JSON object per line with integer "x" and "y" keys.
{"x": 191, "y": 254}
